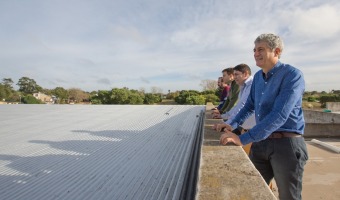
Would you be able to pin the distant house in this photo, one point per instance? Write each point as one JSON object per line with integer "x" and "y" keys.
{"x": 43, "y": 97}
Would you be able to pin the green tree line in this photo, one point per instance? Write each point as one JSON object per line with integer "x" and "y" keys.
{"x": 193, "y": 97}
{"x": 124, "y": 96}
{"x": 27, "y": 87}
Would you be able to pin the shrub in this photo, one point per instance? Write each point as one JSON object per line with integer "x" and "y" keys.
{"x": 329, "y": 98}
{"x": 211, "y": 98}
{"x": 135, "y": 98}
{"x": 152, "y": 98}
{"x": 311, "y": 99}
{"x": 30, "y": 99}
{"x": 195, "y": 100}
{"x": 184, "y": 94}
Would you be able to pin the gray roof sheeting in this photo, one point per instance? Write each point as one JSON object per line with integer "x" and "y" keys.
{"x": 95, "y": 152}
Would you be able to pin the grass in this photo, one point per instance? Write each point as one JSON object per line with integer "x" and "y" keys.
{"x": 167, "y": 102}
{"x": 311, "y": 105}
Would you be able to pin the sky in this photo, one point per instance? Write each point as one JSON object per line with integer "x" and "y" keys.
{"x": 173, "y": 45}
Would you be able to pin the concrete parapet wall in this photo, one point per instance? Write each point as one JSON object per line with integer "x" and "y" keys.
{"x": 321, "y": 124}
{"x": 318, "y": 117}
{"x": 322, "y": 130}
{"x": 226, "y": 171}
{"x": 333, "y": 106}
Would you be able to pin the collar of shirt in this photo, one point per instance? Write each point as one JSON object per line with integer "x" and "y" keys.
{"x": 272, "y": 71}
{"x": 248, "y": 81}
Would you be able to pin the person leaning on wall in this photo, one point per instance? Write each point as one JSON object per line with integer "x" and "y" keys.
{"x": 278, "y": 150}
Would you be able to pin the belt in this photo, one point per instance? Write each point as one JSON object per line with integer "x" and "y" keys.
{"x": 282, "y": 134}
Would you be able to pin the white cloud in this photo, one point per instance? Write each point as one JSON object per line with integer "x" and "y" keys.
{"x": 99, "y": 45}
{"x": 315, "y": 23}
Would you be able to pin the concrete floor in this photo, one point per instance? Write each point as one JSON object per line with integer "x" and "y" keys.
{"x": 322, "y": 172}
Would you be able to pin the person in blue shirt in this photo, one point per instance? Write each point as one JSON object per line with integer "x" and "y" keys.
{"x": 278, "y": 150}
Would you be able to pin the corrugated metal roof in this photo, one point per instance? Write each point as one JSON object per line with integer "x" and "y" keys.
{"x": 95, "y": 152}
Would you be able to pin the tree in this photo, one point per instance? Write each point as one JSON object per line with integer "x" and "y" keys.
{"x": 126, "y": 96}
{"x": 28, "y": 86}
{"x": 172, "y": 95}
{"x": 208, "y": 84}
{"x": 152, "y": 98}
{"x": 135, "y": 98}
{"x": 142, "y": 90}
{"x": 335, "y": 91}
{"x": 314, "y": 92}
{"x": 100, "y": 97}
{"x": 211, "y": 98}
{"x": 208, "y": 92}
{"x": 61, "y": 94}
{"x": 77, "y": 95}
{"x": 8, "y": 82}
{"x": 184, "y": 94}
{"x": 196, "y": 100}
{"x": 119, "y": 96}
{"x": 329, "y": 98}
{"x": 3, "y": 94}
{"x": 46, "y": 91}
{"x": 156, "y": 90}
{"x": 7, "y": 92}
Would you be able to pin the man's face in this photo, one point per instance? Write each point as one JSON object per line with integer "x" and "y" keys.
{"x": 226, "y": 77}
{"x": 219, "y": 82}
{"x": 264, "y": 56}
{"x": 240, "y": 77}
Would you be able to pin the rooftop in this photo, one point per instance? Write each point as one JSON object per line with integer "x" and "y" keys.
{"x": 95, "y": 152}
{"x": 141, "y": 152}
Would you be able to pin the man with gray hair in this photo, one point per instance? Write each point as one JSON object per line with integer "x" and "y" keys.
{"x": 278, "y": 150}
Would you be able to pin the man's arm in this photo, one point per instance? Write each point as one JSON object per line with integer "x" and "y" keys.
{"x": 226, "y": 102}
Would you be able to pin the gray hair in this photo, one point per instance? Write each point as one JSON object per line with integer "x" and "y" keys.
{"x": 273, "y": 41}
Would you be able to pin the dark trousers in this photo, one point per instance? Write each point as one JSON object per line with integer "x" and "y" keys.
{"x": 282, "y": 159}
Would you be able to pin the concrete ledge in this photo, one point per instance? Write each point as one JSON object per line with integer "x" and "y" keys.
{"x": 226, "y": 171}
{"x": 321, "y": 124}
{"x": 322, "y": 130}
{"x": 333, "y": 106}
{"x": 318, "y": 117}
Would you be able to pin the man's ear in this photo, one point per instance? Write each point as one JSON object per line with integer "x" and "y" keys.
{"x": 277, "y": 52}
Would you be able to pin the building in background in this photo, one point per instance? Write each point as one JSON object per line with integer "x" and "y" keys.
{"x": 43, "y": 97}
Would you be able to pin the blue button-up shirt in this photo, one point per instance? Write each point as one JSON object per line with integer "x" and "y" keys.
{"x": 276, "y": 99}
